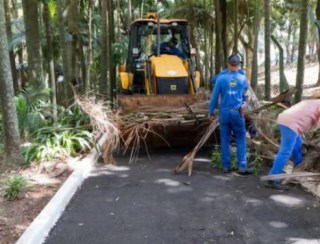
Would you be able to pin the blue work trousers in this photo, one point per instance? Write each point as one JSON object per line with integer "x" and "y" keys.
{"x": 290, "y": 146}
{"x": 232, "y": 122}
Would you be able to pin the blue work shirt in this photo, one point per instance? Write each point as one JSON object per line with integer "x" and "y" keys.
{"x": 214, "y": 79}
{"x": 165, "y": 48}
{"x": 232, "y": 87}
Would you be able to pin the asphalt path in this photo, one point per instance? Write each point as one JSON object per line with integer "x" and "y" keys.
{"x": 144, "y": 202}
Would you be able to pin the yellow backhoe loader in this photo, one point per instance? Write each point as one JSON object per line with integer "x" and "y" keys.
{"x": 156, "y": 80}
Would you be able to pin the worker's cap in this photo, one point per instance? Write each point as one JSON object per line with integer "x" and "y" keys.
{"x": 234, "y": 60}
{"x": 174, "y": 40}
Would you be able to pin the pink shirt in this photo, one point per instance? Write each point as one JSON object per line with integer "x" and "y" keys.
{"x": 302, "y": 116}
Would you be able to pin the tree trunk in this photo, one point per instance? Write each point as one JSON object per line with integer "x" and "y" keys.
{"x": 11, "y": 52}
{"x": 9, "y": 113}
{"x": 89, "y": 50}
{"x": 62, "y": 87}
{"x": 218, "y": 63}
{"x": 112, "y": 67}
{"x": 283, "y": 80}
{"x": 194, "y": 44}
{"x": 288, "y": 43}
{"x": 235, "y": 23}
{"x": 211, "y": 53}
{"x": 119, "y": 19}
{"x": 254, "y": 70}
{"x": 249, "y": 58}
{"x": 293, "y": 46}
{"x": 224, "y": 35}
{"x": 205, "y": 48}
{"x": 50, "y": 61}
{"x": 302, "y": 49}
{"x": 33, "y": 42}
{"x": 129, "y": 16}
{"x": 21, "y": 79}
{"x": 103, "y": 84}
{"x": 267, "y": 70}
{"x": 72, "y": 47}
{"x": 318, "y": 46}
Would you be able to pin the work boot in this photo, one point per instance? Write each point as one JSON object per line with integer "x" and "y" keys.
{"x": 244, "y": 172}
{"x": 225, "y": 170}
{"x": 277, "y": 186}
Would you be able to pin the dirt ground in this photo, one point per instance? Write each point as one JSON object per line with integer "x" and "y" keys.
{"x": 42, "y": 184}
{"x": 17, "y": 215}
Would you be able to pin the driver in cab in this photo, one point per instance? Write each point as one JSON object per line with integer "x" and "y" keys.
{"x": 170, "y": 48}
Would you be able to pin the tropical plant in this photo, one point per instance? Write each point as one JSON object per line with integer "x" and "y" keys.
{"x": 73, "y": 117}
{"x": 33, "y": 110}
{"x": 50, "y": 143}
{"x": 14, "y": 186}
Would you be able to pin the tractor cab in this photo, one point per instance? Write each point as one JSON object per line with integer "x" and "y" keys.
{"x": 152, "y": 70}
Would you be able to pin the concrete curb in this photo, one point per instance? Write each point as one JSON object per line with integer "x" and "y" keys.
{"x": 43, "y": 223}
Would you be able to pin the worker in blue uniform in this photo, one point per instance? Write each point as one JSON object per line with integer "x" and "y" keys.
{"x": 250, "y": 127}
{"x": 231, "y": 86}
{"x": 170, "y": 48}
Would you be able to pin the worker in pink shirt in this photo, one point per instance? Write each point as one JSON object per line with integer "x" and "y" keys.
{"x": 293, "y": 122}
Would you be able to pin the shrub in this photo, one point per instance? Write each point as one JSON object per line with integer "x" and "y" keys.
{"x": 14, "y": 186}
{"x": 216, "y": 159}
{"x": 51, "y": 143}
{"x": 253, "y": 159}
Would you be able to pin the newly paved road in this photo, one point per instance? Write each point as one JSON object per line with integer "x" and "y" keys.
{"x": 145, "y": 203}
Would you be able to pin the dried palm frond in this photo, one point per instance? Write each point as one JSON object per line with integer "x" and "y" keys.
{"x": 104, "y": 122}
{"x": 135, "y": 135}
{"x": 140, "y": 126}
{"x": 187, "y": 160}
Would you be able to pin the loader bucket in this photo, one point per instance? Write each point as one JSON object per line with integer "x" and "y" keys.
{"x": 171, "y": 119}
{"x": 136, "y": 103}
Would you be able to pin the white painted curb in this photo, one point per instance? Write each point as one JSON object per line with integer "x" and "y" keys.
{"x": 39, "y": 229}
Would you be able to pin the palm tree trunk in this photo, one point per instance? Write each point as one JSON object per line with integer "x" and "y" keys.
{"x": 218, "y": 63}
{"x": 72, "y": 46}
{"x": 205, "y": 48}
{"x": 103, "y": 83}
{"x": 89, "y": 50}
{"x": 33, "y": 42}
{"x": 224, "y": 35}
{"x": 50, "y": 61}
{"x": 11, "y": 52}
{"x": 235, "y": 23}
{"x": 119, "y": 20}
{"x": 129, "y": 16}
{"x": 62, "y": 88}
{"x": 9, "y": 113}
{"x": 211, "y": 52}
{"x": 112, "y": 67}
